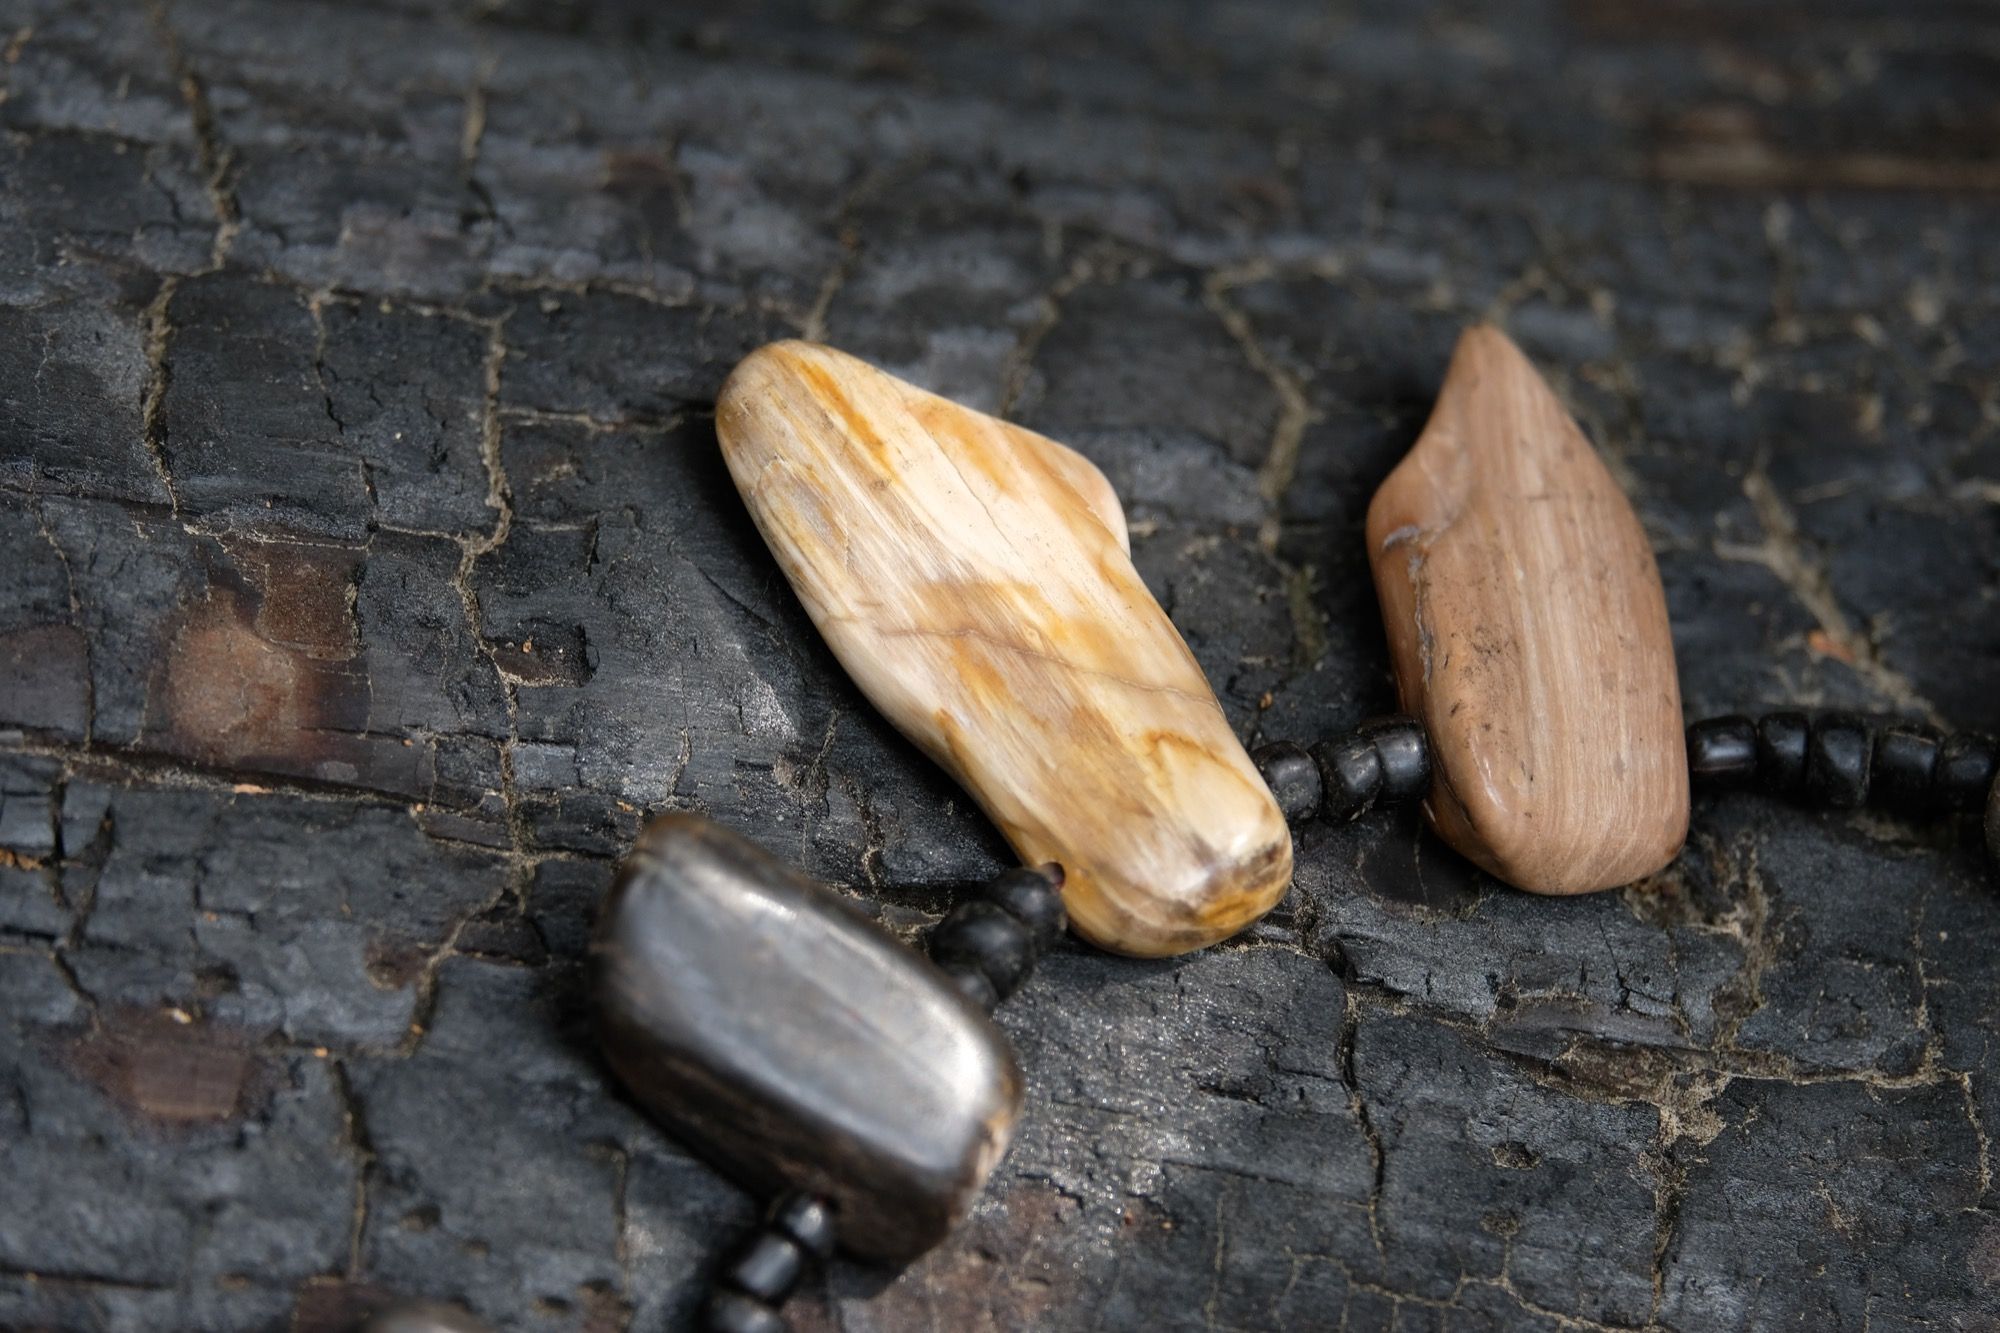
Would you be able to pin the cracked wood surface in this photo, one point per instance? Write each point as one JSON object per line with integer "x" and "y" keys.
{"x": 363, "y": 359}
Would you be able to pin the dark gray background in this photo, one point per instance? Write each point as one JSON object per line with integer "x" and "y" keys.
{"x": 370, "y": 572}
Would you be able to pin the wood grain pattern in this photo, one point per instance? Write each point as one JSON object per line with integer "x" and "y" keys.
{"x": 975, "y": 579}
{"x": 1529, "y": 631}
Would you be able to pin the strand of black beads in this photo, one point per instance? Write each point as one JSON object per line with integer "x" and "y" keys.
{"x": 988, "y": 943}
{"x": 1384, "y": 761}
{"x": 767, "y": 1266}
{"x": 1840, "y": 761}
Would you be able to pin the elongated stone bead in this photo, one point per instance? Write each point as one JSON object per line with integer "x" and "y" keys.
{"x": 975, "y": 580}
{"x": 1529, "y": 634}
{"x": 794, "y": 1043}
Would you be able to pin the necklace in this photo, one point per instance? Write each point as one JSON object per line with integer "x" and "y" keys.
{"x": 975, "y": 580}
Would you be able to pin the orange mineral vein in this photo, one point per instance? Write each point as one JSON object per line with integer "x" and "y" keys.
{"x": 975, "y": 580}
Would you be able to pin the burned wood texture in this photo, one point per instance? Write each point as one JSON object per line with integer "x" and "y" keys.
{"x": 371, "y": 571}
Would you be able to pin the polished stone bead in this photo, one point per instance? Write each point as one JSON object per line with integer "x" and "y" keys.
{"x": 1405, "y": 753}
{"x": 795, "y": 1043}
{"x": 1782, "y": 742}
{"x": 1528, "y": 629}
{"x": 1722, "y": 750}
{"x": 733, "y": 1312}
{"x": 1904, "y": 767}
{"x": 976, "y": 580}
{"x": 1032, "y": 895}
{"x": 982, "y": 936}
{"x": 1291, "y": 775}
{"x": 767, "y": 1266}
{"x": 1837, "y": 761}
{"x": 1966, "y": 766}
{"x": 1350, "y": 772}
{"x": 806, "y": 1220}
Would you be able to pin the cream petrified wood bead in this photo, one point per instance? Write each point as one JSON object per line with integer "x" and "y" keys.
{"x": 1529, "y": 632}
{"x": 975, "y": 580}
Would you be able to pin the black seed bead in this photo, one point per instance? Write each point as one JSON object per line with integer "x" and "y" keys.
{"x": 1291, "y": 775}
{"x": 1903, "y": 769}
{"x": 1722, "y": 750}
{"x": 1405, "y": 754}
{"x": 1351, "y": 772}
{"x": 1837, "y": 761}
{"x": 733, "y": 1312}
{"x": 982, "y": 936}
{"x": 972, "y": 983}
{"x": 1033, "y": 897}
{"x": 808, "y": 1221}
{"x": 1782, "y": 742}
{"x": 767, "y": 1267}
{"x": 1965, "y": 769}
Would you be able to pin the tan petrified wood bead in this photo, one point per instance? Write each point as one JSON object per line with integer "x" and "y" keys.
{"x": 1529, "y": 632}
{"x": 975, "y": 580}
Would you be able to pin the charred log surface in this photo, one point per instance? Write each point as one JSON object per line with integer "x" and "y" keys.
{"x": 371, "y": 572}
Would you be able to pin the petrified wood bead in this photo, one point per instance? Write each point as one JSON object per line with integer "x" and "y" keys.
{"x": 975, "y": 580}
{"x": 1529, "y": 633}
{"x": 794, "y": 1043}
